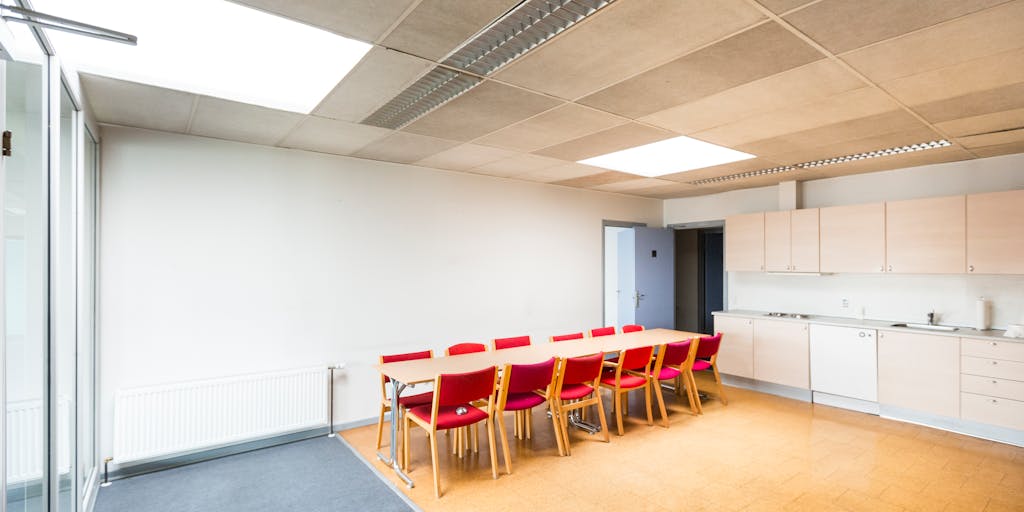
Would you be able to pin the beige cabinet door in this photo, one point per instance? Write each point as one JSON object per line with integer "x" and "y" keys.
{"x": 744, "y": 242}
{"x": 781, "y": 353}
{"x": 736, "y": 354}
{"x": 995, "y": 233}
{"x": 853, "y": 238}
{"x": 920, "y": 372}
{"x": 804, "y": 240}
{"x": 777, "y": 242}
{"x": 926, "y": 236}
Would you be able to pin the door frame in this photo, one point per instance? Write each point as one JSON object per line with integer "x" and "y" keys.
{"x": 700, "y": 226}
{"x": 605, "y": 223}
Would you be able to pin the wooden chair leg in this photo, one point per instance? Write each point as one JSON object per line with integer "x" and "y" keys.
{"x": 647, "y": 400}
{"x": 604, "y": 424}
{"x": 721, "y": 390}
{"x": 499, "y": 417}
{"x": 564, "y": 420}
{"x": 696, "y": 393}
{"x": 474, "y": 430}
{"x": 661, "y": 403}
{"x": 558, "y": 429}
{"x": 404, "y": 458}
{"x": 528, "y": 415}
{"x": 493, "y": 447}
{"x": 380, "y": 426}
{"x": 618, "y": 409}
{"x": 689, "y": 393}
{"x": 433, "y": 463}
{"x": 625, "y": 404}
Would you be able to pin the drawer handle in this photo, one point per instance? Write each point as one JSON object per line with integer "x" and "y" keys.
{"x": 995, "y": 382}
{"x": 995, "y": 362}
{"x": 994, "y": 344}
{"x": 995, "y": 401}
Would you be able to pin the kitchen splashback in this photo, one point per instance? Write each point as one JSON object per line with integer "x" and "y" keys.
{"x": 883, "y": 296}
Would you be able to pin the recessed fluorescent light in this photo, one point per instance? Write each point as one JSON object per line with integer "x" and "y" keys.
{"x": 210, "y": 47}
{"x": 667, "y": 157}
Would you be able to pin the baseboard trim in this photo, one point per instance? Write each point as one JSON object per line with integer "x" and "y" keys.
{"x": 770, "y": 388}
{"x": 845, "y": 402}
{"x": 957, "y": 426}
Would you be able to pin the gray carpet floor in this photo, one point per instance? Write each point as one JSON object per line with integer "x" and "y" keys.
{"x": 314, "y": 475}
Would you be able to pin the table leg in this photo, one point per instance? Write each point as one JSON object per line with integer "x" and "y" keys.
{"x": 396, "y": 417}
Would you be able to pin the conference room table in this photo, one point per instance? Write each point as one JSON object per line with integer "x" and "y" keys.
{"x": 418, "y": 371}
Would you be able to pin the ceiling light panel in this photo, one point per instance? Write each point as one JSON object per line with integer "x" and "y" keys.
{"x": 668, "y": 156}
{"x": 210, "y": 47}
{"x": 432, "y": 90}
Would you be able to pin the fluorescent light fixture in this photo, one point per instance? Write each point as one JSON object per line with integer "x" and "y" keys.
{"x": 210, "y": 47}
{"x": 667, "y": 157}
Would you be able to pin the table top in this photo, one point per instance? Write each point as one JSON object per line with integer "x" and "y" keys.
{"x": 425, "y": 370}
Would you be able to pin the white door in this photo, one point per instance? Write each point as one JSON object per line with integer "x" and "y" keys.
{"x": 627, "y": 277}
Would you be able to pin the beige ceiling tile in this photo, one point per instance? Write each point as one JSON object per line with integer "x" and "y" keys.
{"x": 990, "y": 101}
{"x": 756, "y": 53}
{"x": 558, "y": 125}
{"x": 596, "y": 180}
{"x": 992, "y": 139}
{"x": 974, "y": 125}
{"x": 519, "y": 164}
{"x": 635, "y": 184}
{"x": 843, "y": 25}
{"x": 483, "y": 109}
{"x": 623, "y": 39}
{"x": 977, "y": 35}
{"x": 606, "y": 141}
{"x": 223, "y": 119}
{"x": 982, "y": 74}
{"x": 435, "y": 27}
{"x": 781, "y": 6}
{"x": 465, "y": 157}
{"x": 715, "y": 171}
{"x": 685, "y": 190}
{"x": 331, "y": 136}
{"x": 133, "y": 104}
{"x": 666, "y": 191}
{"x": 836, "y": 133}
{"x": 380, "y": 76}
{"x": 1001, "y": 149}
{"x": 358, "y": 19}
{"x": 841, "y": 107}
{"x": 560, "y": 172}
{"x": 404, "y": 148}
{"x": 811, "y": 82}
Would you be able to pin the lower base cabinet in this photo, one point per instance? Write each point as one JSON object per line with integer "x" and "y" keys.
{"x": 781, "y": 354}
{"x": 919, "y": 372}
{"x": 736, "y": 354}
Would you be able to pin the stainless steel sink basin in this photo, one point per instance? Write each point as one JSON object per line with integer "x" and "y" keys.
{"x": 928, "y": 327}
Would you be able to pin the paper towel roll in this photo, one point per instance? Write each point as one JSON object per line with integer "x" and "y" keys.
{"x": 983, "y": 315}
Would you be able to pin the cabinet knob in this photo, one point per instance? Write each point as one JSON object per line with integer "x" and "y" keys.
{"x": 995, "y": 401}
{"x": 881, "y": 269}
{"x": 890, "y": 268}
{"x": 994, "y": 344}
{"x": 995, "y": 381}
{"x": 970, "y": 268}
{"x": 995, "y": 362}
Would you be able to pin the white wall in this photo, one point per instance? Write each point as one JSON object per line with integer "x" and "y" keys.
{"x": 887, "y": 297}
{"x": 221, "y": 258}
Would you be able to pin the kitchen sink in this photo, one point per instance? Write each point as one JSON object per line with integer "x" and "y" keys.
{"x": 928, "y": 327}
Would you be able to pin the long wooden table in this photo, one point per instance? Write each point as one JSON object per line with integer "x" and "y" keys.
{"x": 405, "y": 373}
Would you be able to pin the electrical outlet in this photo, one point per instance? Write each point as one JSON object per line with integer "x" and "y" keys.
{"x": 846, "y": 303}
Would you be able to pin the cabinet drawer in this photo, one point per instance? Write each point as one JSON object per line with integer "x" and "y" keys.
{"x": 993, "y": 411}
{"x": 1002, "y": 388}
{"x": 986, "y": 367}
{"x": 1005, "y": 350}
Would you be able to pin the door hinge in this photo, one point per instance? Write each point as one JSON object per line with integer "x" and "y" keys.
{"x": 6, "y": 144}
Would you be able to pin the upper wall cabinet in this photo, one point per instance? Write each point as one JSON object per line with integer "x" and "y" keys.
{"x": 995, "y": 233}
{"x": 853, "y": 238}
{"x": 777, "y": 242}
{"x": 744, "y": 242}
{"x": 791, "y": 241}
{"x": 926, "y": 236}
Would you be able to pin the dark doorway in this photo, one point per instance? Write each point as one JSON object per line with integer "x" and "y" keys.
{"x": 700, "y": 277}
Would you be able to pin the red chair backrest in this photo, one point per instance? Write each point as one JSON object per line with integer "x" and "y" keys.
{"x": 708, "y": 346}
{"x": 460, "y": 388}
{"x": 636, "y": 358}
{"x": 676, "y": 353}
{"x": 466, "y": 348}
{"x": 602, "y": 331}
{"x": 529, "y": 377}
{"x": 567, "y": 337}
{"x": 394, "y": 358}
{"x": 583, "y": 369}
{"x": 632, "y": 328}
{"x": 517, "y": 341}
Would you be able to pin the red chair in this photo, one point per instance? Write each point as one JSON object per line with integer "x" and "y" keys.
{"x": 454, "y": 396}
{"x": 675, "y": 362}
{"x": 523, "y": 387}
{"x": 406, "y": 401}
{"x": 567, "y": 337}
{"x": 632, "y": 328}
{"x": 707, "y": 359}
{"x": 464, "y": 348}
{"x": 503, "y": 343}
{"x": 576, "y": 388}
{"x": 631, "y": 372}
{"x": 602, "y": 331}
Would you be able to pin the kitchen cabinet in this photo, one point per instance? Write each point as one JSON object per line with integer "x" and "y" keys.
{"x": 781, "y": 353}
{"x": 736, "y": 353}
{"x": 744, "y": 242}
{"x": 992, "y": 382}
{"x": 791, "y": 241}
{"x": 926, "y": 236}
{"x": 853, "y": 238}
{"x": 919, "y": 372}
{"x": 995, "y": 233}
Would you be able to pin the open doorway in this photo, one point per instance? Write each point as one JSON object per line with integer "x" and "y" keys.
{"x": 700, "y": 275}
{"x": 618, "y": 254}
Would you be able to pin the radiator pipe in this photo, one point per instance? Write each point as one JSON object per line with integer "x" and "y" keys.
{"x": 330, "y": 399}
{"x": 106, "y": 472}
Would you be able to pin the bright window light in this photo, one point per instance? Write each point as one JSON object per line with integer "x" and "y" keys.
{"x": 667, "y": 157}
{"x": 211, "y": 47}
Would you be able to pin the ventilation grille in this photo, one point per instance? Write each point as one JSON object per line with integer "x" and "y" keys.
{"x": 432, "y": 90}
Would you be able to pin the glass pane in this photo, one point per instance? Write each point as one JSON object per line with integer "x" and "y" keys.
{"x": 63, "y": 249}
{"x": 25, "y": 233}
{"x": 87, "y": 315}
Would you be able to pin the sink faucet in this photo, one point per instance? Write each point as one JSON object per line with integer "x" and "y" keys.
{"x": 931, "y": 318}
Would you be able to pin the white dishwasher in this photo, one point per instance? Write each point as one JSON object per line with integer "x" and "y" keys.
{"x": 844, "y": 367}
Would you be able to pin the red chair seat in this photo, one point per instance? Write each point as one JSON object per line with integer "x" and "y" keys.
{"x": 520, "y": 401}
{"x": 415, "y": 400}
{"x": 668, "y": 373}
{"x": 575, "y": 391}
{"x": 701, "y": 364}
{"x": 447, "y": 418}
{"x": 625, "y": 381}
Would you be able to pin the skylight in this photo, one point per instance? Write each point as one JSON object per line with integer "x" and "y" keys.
{"x": 667, "y": 157}
{"x": 210, "y": 47}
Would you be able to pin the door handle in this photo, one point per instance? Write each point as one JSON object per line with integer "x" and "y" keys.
{"x": 638, "y": 296}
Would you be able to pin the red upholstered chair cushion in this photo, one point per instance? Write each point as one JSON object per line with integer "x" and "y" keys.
{"x": 675, "y": 353}
{"x": 520, "y": 401}
{"x": 632, "y": 328}
{"x": 462, "y": 388}
{"x": 708, "y": 346}
{"x": 466, "y": 348}
{"x": 567, "y": 337}
{"x": 582, "y": 369}
{"x": 415, "y": 400}
{"x": 625, "y": 381}
{"x": 636, "y": 358}
{"x": 575, "y": 391}
{"x": 410, "y": 356}
{"x": 667, "y": 373}
{"x": 528, "y": 377}
{"x": 518, "y": 341}
{"x": 447, "y": 417}
{"x": 701, "y": 364}
{"x": 602, "y": 331}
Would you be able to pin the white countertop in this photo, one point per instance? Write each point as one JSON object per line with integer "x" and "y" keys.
{"x": 884, "y": 325}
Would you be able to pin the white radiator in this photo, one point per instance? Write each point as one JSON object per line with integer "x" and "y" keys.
{"x": 176, "y": 418}
{"x": 25, "y": 434}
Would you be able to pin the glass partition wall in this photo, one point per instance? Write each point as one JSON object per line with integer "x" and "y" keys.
{"x": 48, "y": 340}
